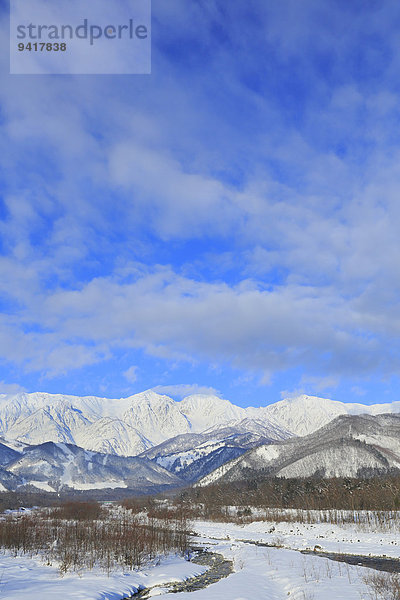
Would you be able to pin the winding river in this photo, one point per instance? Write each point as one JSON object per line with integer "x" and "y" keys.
{"x": 219, "y": 567}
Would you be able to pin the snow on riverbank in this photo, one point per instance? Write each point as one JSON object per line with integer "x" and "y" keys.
{"x": 22, "y": 577}
{"x": 346, "y": 539}
{"x": 260, "y": 573}
{"x": 278, "y": 574}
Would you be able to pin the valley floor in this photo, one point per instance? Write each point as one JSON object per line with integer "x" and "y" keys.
{"x": 260, "y": 573}
{"x": 21, "y": 577}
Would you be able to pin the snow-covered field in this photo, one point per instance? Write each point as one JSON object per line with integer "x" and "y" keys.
{"x": 260, "y": 573}
{"x": 344, "y": 539}
{"x": 28, "y": 578}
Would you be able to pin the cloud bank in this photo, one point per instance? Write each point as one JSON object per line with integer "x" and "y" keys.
{"x": 236, "y": 209}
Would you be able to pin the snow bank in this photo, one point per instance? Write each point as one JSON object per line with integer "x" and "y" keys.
{"x": 27, "y": 578}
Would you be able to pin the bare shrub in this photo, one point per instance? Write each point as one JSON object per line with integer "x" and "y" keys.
{"x": 79, "y": 537}
{"x": 81, "y": 511}
{"x": 383, "y": 586}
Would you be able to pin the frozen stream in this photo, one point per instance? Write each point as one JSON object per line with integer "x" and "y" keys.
{"x": 379, "y": 563}
{"x": 219, "y": 567}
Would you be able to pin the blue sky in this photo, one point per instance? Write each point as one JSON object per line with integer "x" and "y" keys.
{"x": 230, "y": 222}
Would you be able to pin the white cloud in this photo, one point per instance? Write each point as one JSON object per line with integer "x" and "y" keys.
{"x": 291, "y": 395}
{"x": 319, "y": 236}
{"x": 177, "y": 317}
{"x": 183, "y": 390}
{"x": 131, "y": 374}
{"x": 169, "y": 315}
{"x": 11, "y": 388}
{"x": 180, "y": 204}
{"x": 358, "y": 391}
{"x": 316, "y": 384}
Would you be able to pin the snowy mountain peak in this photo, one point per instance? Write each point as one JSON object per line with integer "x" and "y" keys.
{"x": 149, "y": 397}
{"x": 303, "y": 414}
{"x": 205, "y": 410}
{"x": 129, "y": 426}
{"x": 306, "y": 401}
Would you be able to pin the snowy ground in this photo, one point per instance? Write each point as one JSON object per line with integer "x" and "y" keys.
{"x": 260, "y": 573}
{"x": 345, "y": 539}
{"x": 28, "y": 578}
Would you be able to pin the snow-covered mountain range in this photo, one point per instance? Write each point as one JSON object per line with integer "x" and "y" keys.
{"x": 129, "y": 426}
{"x": 183, "y": 441}
{"x": 348, "y": 446}
{"x": 126, "y": 426}
{"x": 54, "y": 467}
{"x": 193, "y": 455}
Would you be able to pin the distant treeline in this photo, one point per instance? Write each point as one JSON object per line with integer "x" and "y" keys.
{"x": 34, "y": 497}
{"x": 374, "y": 493}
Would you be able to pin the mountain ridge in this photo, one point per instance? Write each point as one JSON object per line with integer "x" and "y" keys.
{"x": 56, "y": 467}
{"x": 348, "y": 446}
{"x": 130, "y": 426}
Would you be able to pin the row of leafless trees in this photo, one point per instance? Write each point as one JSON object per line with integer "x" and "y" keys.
{"x": 375, "y": 493}
{"x": 84, "y": 535}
